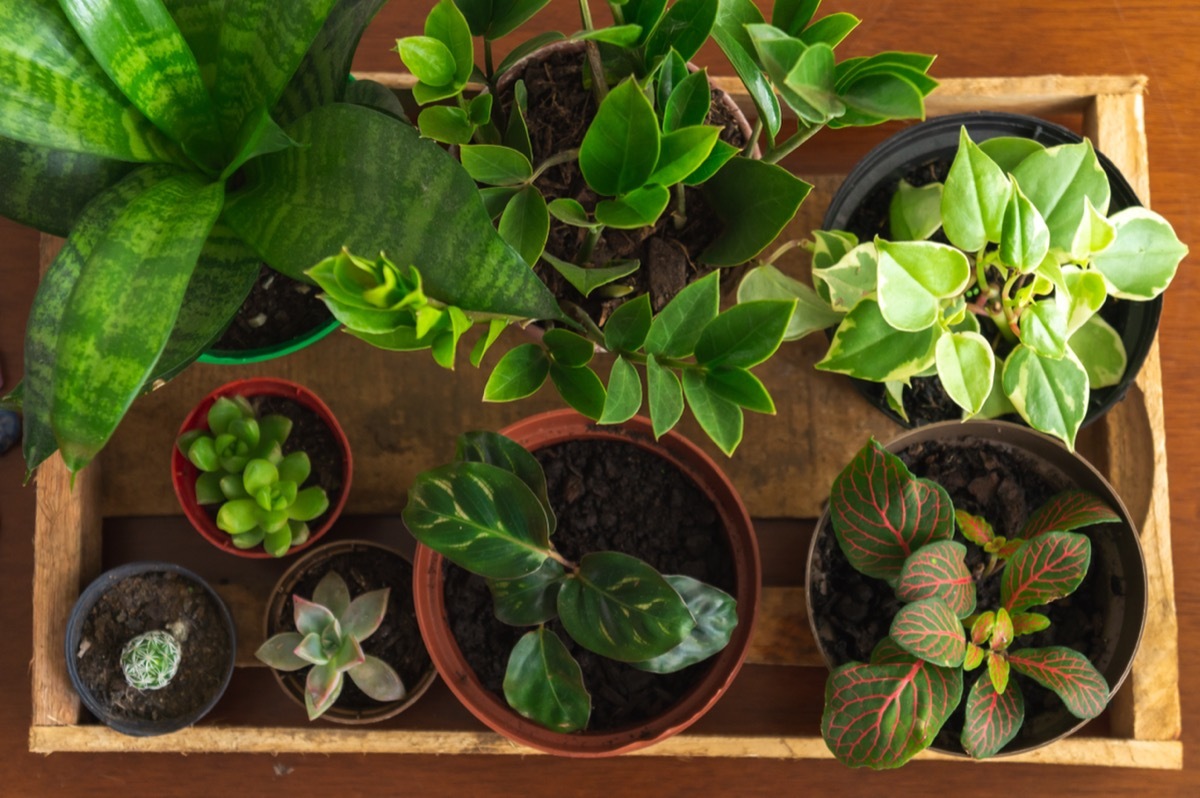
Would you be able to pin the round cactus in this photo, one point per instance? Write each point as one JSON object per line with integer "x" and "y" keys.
{"x": 150, "y": 660}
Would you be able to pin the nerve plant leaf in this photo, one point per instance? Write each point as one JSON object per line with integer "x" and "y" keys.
{"x": 975, "y": 528}
{"x": 939, "y": 570}
{"x": 1068, "y": 673}
{"x": 1046, "y": 568}
{"x": 992, "y": 718}
{"x": 929, "y": 629}
{"x": 1066, "y": 511}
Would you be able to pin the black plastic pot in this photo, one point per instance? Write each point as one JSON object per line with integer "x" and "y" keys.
{"x": 937, "y": 141}
{"x": 1118, "y": 571}
{"x": 75, "y": 625}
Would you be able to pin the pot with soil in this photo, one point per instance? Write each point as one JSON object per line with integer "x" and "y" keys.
{"x": 261, "y": 467}
{"x": 622, "y": 631}
{"x": 367, "y": 588}
{"x": 150, "y": 648}
{"x": 989, "y": 264}
{"x": 980, "y": 572}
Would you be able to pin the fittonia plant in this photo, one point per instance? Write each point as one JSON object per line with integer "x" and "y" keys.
{"x": 1032, "y": 250}
{"x": 900, "y": 529}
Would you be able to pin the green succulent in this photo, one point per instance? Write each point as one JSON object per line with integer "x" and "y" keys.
{"x": 149, "y": 661}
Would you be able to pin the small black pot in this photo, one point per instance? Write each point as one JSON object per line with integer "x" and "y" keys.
{"x": 1118, "y": 570}
{"x": 75, "y": 623}
{"x": 937, "y": 140}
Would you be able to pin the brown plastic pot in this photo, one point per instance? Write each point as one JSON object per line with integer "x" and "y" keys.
{"x": 559, "y": 426}
{"x": 1116, "y": 555}
{"x": 184, "y": 474}
{"x": 292, "y": 684}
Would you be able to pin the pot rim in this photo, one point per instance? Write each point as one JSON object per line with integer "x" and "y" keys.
{"x": 184, "y": 474}
{"x": 547, "y": 429}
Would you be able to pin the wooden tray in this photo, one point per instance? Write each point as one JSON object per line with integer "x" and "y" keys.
{"x": 402, "y": 413}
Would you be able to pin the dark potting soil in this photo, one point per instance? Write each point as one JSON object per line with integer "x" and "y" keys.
{"x": 607, "y": 496}
{"x": 560, "y": 109}
{"x": 854, "y": 612}
{"x": 397, "y": 641}
{"x": 278, "y": 309}
{"x": 144, "y": 603}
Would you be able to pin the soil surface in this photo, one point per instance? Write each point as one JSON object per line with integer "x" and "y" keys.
{"x": 607, "y": 496}
{"x": 398, "y": 639}
{"x": 278, "y": 309}
{"x": 559, "y": 111}
{"x": 145, "y": 603}
{"x": 854, "y": 612}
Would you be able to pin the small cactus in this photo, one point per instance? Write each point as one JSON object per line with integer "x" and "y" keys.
{"x": 150, "y": 660}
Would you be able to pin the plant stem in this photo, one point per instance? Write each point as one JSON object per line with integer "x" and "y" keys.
{"x": 679, "y": 217}
{"x": 777, "y": 154}
{"x": 595, "y": 65}
{"x": 487, "y": 59}
{"x": 556, "y": 159}
{"x": 563, "y": 561}
{"x": 755, "y": 132}
{"x": 589, "y": 244}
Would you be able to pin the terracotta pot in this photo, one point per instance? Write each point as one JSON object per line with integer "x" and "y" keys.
{"x": 559, "y": 426}
{"x": 184, "y": 474}
{"x": 1116, "y": 559}
{"x": 292, "y": 684}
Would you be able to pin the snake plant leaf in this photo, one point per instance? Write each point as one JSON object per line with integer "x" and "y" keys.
{"x": 258, "y": 136}
{"x": 47, "y": 189}
{"x": 139, "y": 46}
{"x": 284, "y": 209}
{"x": 1106, "y": 356}
{"x": 939, "y": 570}
{"x": 528, "y": 600}
{"x": 1046, "y": 568}
{"x": 127, "y": 266}
{"x": 914, "y": 277}
{"x": 720, "y": 418}
{"x": 811, "y": 313}
{"x": 621, "y": 608}
{"x": 199, "y": 23}
{"x": 1067, "y": 511}
{"x": 729, "y": 31}
{"x": 1068, "y": 673}
{"x": 931, "y": 630}
{"x": 56, "y": 95}
{"x": 1142, "y": 261}
{"x": 1051, "y": 395}
{"x": 544, "y": 683}
{"x": 715, "y": 612}
{"x": 867, "y": 347}
{"x": 966, "y": 366}
{"x": 1056, "y": 180}
{"x": 481, "y": 517}
{"x": 992, "y": 719}
{"x": 754, "y": 200}
{"x": 881, "y": 513}
{"x": 495, "y": 449}
{"x": 665, "y": 397}
{"x": 974, "y": 197}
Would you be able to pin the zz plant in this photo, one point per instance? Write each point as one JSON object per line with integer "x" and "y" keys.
{"x": 900, "y": 529}
{"x": 1032, "y": 253}
{"x": 489, "y": 512}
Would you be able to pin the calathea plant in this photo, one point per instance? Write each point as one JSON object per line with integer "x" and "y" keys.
{"x": 1006, "y": 313}
{"x": 176, "y": 158}
{"x": 243, "y": 469}
{"x": 489, "y": 513}
{"x": 895, "y": 527}
{"x": 329, "y": 633}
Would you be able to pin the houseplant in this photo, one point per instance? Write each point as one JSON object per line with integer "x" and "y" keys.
{"x": 1026, "y": 308}
{"x": 149, "y": 648}
{"x": 171, "y": 192}
{"x": 1033, "y": 517}
{"x": 641, "y": 185}
{"x": 271, "y": 454}
{"x": 380, "y": 619}
{"x": 600, "y": 483}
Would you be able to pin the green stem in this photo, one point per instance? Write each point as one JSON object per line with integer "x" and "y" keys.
{"x": 595, "y": 65}
{"x": 556, "y": 159}
{"x": 589, "y": 244}
{"x": 679, "y": 217}
{"x": 755, "y": 132}
{"x": 489, "y": 71}
{"x": 777, "y": 154}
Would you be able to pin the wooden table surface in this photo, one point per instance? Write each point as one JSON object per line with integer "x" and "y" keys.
{"x": 995, "y": 38}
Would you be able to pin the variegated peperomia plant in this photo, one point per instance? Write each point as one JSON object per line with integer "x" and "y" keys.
{"x": 329, "y": 633}
{"x": 898, "y": 528}
{"x": 489, "y": 512}
{"x": 1031, "y": 250}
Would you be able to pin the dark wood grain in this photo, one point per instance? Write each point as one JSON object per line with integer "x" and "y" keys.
{"x": 1003, "y": 37}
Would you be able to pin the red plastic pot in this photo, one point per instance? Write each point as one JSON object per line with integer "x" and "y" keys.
{"x": 559, "y": 426}
{"x": 184, "y": 474}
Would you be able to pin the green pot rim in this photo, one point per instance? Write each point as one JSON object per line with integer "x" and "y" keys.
{"x": 227, "y": 357}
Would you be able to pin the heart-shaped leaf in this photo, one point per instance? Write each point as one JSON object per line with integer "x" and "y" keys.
{"x": 1008, "y": 151}
{"x": 1051, "y": 395}
{"x": 974, "y": 198}
{"x": 868, "y": 347}
{"x": 915, "y": 213}
{"x": 966, "y": 367}
{"x": 914, "y": 276}
{"x": 1142, "y": 261}
{"x": 1106, "y": 359}
{"x": 939, "y": 570}
{"x": 845, "y": 275}
{"x": 1068, "y": 673}
{"x": 1066, "y": 511}
{"x": 1094, "y": 234}
{"x": 754, "y": 200}
{"x": 1024, "y": 238}
{"x": 715, "y": 612}
{"x": 543, "y": 682}
{"x": 1057, "y": 180}
{"x": 811, "y": 313}
{"x": 1046, "y": 568}
{"x": 881, "y": 513}
{"x": 1044, "y": 327}
{"x": 993, "y": 718}
{"x": 929, "y": 629}
{"x": 528, "y": 600}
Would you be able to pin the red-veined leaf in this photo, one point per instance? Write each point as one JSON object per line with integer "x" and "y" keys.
{"x": 930, "y": 630}
{"x": 1068, "y": 673}
{"x": 981, "y": 630}
{"x": 998, "y": 671}
{"x": 942, "y": 685}
{"x": 939, "y": 570}
{"x": 1026, "y": 623}
{"x": 1068, "y": 510}
{"x": 882, "y": 513}
{"x": 974, "y": 657}
{"x": 974, "y": 528}
{"x": 1045, "y": 568}
{"x": 992, "y": 718}
{"x": 1002, "y": 631}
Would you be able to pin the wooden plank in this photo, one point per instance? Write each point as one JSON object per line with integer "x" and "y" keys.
{"x": 783, "y": 635}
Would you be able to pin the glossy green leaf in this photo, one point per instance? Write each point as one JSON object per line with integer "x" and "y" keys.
{"x": 754, "y": 200}
{"x": 848, "y": 279}
{"x": 1051, "y": 395}
{"x": 683, "y": 151}
{"x": 624, "y": 396}
{"x": 1069, "y": 674}
{"x": 525, "y": 224}
{"x": 722, "y": 153}
{"x": 867, "y": 347}
{"x": 1024, "y": 237}
{"x": 938, "y": 570}
{"x": 496, "y": 199}
{"x": 528, "y": 600}
{"x": 829, "y": 30}
{"x": 531, "y": 45}
{"x": 1046, "y": 568}
{"x": 912, "y": 67}
{"x": 508, "y": 15}
{"x": 974, "y": 198}
{"x": 1067, "y": 511}
{"x": 580, "y": 387}
{"x": 480, "y": 517}
{"x": 1104, "y": 359}
{"x": 876, "y": 98}
{"x": 616, "y": 35}
{"x": 997, "y": 404}
{"x": 1094, "y": 234}
{"x": 966, "y": 366}
{"x": 568, "y": 348}
{"x": 683, "y": 28}
{"x": 639, "y": 208}
{"x": 688, "y": 103}
{"x": 914, "y": 276}
{"x": 929, "y": 629}
{"x": 915, "y": 213}
{"x": 621, "y": 608}
{"x": 729, "y": 32}
{"x": 811, "y": 313}
{"x": 485, "y": 342}
{"x": 519, "y": 373}
{"x": 830, "y": 246}
{"x": 740, "y": 387}
{"x": 446, "y": 24}
{"x": 427, "y": 59}
{"x": 1008, "y": 151}
{"x": 715, "y": 612}
{"x": 445, "y": 124}
{"x": 678, "y": 326}
{"x": 543, "y": 682}
{"x": 1044, "y": 327}
{"x": 810, "y": 86}
{"x": 720, "y": 418}
{"x": 495, "y": 449}
{"x": 1142, "y": 261}
{"x": 992, "y": 718}
{"x": 621, "y": 146}
{"x": 494, "y": 165}
{"x": 587, "y": 280}
{"x": 569, "y": 211}
{"x": 1057, "y": 180}
{"x": 628, "y": 326}
{"x": 665, "y": 396}
{"x": 793, "y": 16}
{"x": 745, "y": 335}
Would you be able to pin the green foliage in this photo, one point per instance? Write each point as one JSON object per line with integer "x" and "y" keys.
{"x": 329, "y": 633}
{"x": 150, "y": 660}
{"x": 1030, "y": 249}
{"x": 488, "y": 512}
{"x": 243, "y": 469}
{"x": 894, "y": 526}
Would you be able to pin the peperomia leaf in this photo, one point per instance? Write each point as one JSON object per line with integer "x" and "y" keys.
{"x": 1087, "y": 290}
{"x": 1044, "y": 569}
{"x": 1094, "y": 234}
{"x": 915, "y": 213}
{"x": 992, "y": 718}
{"x": 881, "y": 513}
{"x": 543, "y": 682}
{"x": 1056, "y": 181}
{"x": 1051, "y": 395}
{"x": 621, "y": 146}
{"x": 754, "y": 200}
{"x": 811, "y": 313}
{"x": 966, "y": 366}
{"x": 939, "y": 570}
{"x": 1024, "y": 237}
{"x": 621, "y": 608}
{"x": 715, "y": 612}
{"x": 1044, "y": 327}
{"x": 914, "y": 276}
{"x": 528, "y": 600}
{"x": 1068, "y": 673}
{"x": 931, "y": 630}
{"x": 867, "y": 347}
{"x": 1008, "y": 151}
{"x": 844, "y": 274}
{"x": 1106, "y": 357}
{"x": 1066, "y": 511}
{"x": 1142, "y": 261}
{"x": 974, "y": 198}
